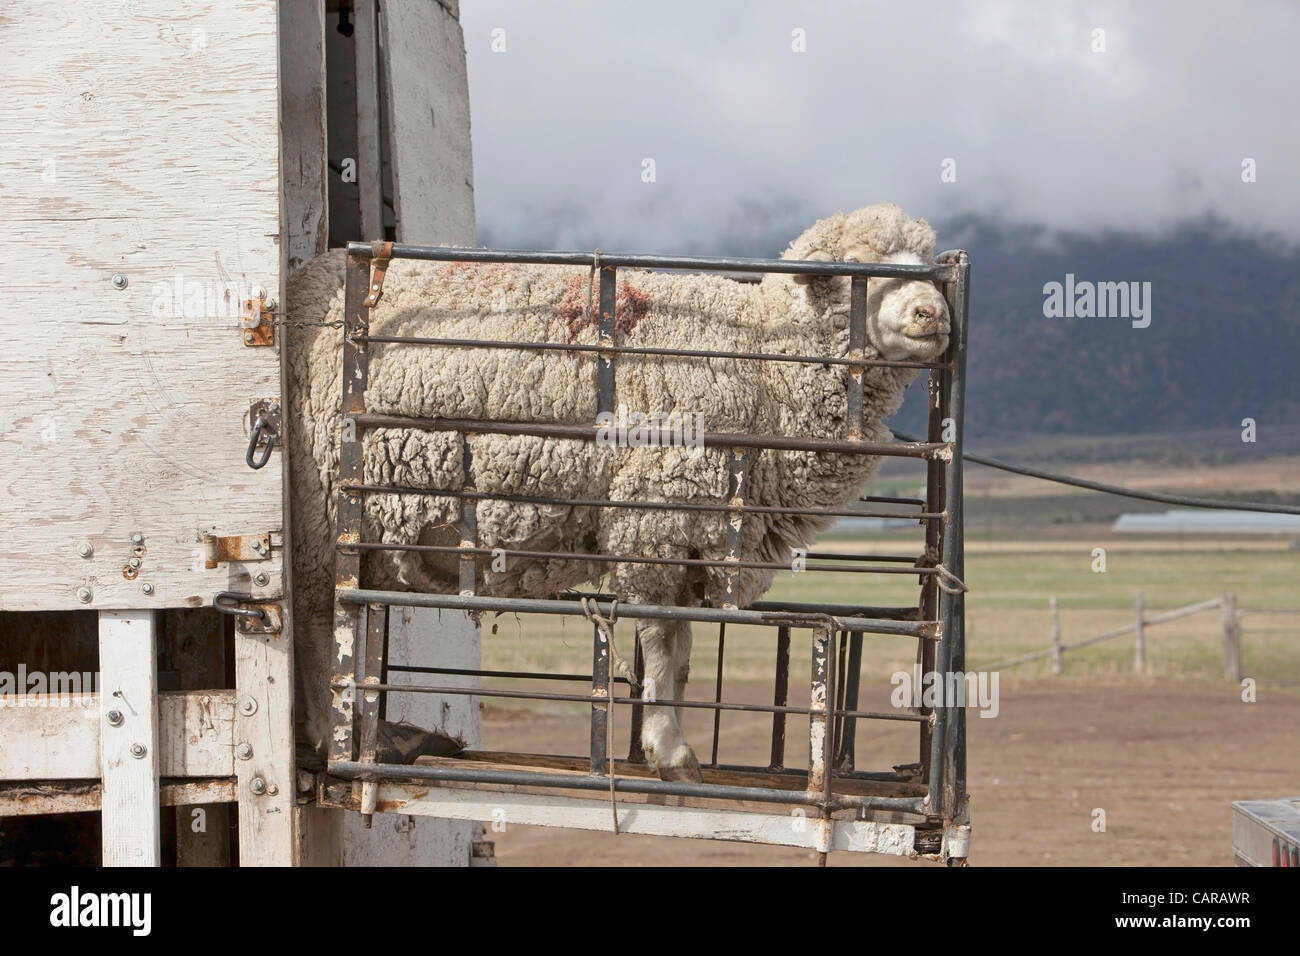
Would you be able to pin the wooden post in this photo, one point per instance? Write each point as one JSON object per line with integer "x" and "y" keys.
{"x": 128, "y": 741}
{"x": 1140, "y": 643}
{"x": 1057, "y": 664}
{"x": 1231, "y": 638}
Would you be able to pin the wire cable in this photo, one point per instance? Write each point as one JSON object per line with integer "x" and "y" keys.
{"x": 1184, "y": 500}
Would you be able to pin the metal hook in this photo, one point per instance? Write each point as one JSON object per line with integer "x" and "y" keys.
{"x": 234, "y": 609}
{"x": 260, "y": 425}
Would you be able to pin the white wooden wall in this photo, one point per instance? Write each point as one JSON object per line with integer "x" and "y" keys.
{"x": 140, "y": 191}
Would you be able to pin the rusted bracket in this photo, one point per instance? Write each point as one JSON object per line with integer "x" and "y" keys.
{"x": 222, "y": 549}
{"x": 381, "y": 253}
{"x": 258, "y": 322}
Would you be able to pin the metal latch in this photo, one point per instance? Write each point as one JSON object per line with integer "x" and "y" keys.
{"x": 257, "y": 324}
{"x": 253, "y": 617}
{"x": 264, "y": 426}
{"x": 220, "y": 549}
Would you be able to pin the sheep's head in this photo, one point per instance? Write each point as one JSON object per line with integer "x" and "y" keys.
{"x": 907, "y": 319}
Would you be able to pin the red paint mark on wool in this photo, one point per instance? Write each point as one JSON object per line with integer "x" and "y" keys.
{"x": 630, "y": 307}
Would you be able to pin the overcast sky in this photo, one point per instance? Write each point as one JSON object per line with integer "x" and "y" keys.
{"x": 751, "y": 139}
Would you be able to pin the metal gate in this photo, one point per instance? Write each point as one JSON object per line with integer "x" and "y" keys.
{"x": 915, "y": 809}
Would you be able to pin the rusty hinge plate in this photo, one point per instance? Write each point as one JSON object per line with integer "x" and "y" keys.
{"x": 222, "y": 549}
{"x": 258, "y": 322}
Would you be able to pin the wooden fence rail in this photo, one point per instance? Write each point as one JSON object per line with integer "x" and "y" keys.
{"x": 1229, "y": 616}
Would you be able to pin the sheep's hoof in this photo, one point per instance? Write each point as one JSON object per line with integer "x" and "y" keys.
{"x": 683, "y": 768}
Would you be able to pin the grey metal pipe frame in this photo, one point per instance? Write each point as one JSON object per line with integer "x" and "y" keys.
{"x": 947, "y": 780}
{"x": 353, "y": 770}
{"x": 936, "y": 622}
{"x": 470, "y": 602}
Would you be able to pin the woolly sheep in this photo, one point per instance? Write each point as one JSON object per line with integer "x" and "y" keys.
{"x": 906, "y": 320}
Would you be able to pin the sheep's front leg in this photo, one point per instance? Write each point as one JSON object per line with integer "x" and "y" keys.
{"x": 666, "y": 648}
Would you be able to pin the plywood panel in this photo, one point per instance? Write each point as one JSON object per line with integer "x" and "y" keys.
{"x": 139, "y": 140}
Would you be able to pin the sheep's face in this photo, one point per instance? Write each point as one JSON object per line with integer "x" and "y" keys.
{"x": 907, "y": 319}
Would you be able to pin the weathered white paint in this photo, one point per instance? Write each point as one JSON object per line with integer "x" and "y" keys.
{"x": 45, "y": 740}
{"x": 799, "y": 828}
{"x": 142, "y": 142}
{"x": 264, "y": 721}
{"x": 128, "y": 749}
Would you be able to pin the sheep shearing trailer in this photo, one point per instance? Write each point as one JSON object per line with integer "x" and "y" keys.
{"x": 914, "y": 809}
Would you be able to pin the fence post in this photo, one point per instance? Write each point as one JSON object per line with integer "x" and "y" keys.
{"x": 1231, "y": 638}
{"x": 1056, "y": 635}
{"x": 1140, "y": 648}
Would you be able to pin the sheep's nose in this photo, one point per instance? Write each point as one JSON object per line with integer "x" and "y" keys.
{"x": 928, "y": 318}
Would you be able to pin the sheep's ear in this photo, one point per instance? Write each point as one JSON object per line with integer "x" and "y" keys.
{"x": 818, "y": 256}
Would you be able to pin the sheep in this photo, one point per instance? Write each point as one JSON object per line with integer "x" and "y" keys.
{"x": 906, "y": 320}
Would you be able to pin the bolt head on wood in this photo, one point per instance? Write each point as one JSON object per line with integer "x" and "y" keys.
{"x": 147, "y": 588}
{"x": 119, "y": 281}
{"x": 115, "y": 718}
{"x": 84, "y": 595}
{"x": 138, "y": 751}
{"x": 85, "y": 549}
{"x": 248, "y": 707}
{"x": 258, "y": 786}
{"x": 244, "y": 752}
{"x": 135, "y": 562}
{"x": 137, "y": 538}
{"x": 262, "y": 579}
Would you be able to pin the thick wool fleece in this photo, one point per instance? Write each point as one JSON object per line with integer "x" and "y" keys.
{"x": 548, "y": 303}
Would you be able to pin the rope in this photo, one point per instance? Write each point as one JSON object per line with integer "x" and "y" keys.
{"x": 1162, "y": 497}
{"x": 958, "y": 585}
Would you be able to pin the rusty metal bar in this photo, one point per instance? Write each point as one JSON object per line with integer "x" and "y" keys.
{"x": 717, "y": 692}
{"x": 937, "y": 271}
{"x": 643, "y": 350}
{"x": 852, "y": 675}
{"x": 348, "y": 617}
{"x": 633, "y": 559}
{"x": 780, "y": 694}
{"x": 638, "y": 611}
{"x": 924, "y": 450}
{"x": 902, "y": 716}
{"x": 600, "y": 715}
{"x": 857, "y": 345}
{"x": 623, "y": 503}
{"x": 468, "y": 524}
{"x": 635, "y": 751}
{"x": 605, "y": 364}
{"x": 819, "y": 707}
{"x": 947, "y": 746}
{"x": 737, "y": 475}
{"x": 349, "y": 770}
{"x": 376, "y": 628}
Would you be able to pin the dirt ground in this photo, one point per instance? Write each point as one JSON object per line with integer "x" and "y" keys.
{"x": 1164, "y": 761}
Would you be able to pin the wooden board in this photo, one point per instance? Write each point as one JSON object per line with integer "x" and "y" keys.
{"x": 128, "y": 738}
{"x": 141, "y": 143}
{"x": 196, "y": 734}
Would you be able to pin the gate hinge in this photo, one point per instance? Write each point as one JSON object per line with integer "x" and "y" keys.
{"x": 257, "y": 325}
{"x": 221, "y": 549}
{"x": 381, "y": 253}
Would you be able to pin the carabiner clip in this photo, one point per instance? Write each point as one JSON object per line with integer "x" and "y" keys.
{"x": 260, "y": 426}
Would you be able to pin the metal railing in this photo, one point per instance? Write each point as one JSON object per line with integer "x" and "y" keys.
{"x": 936, "y": 785}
